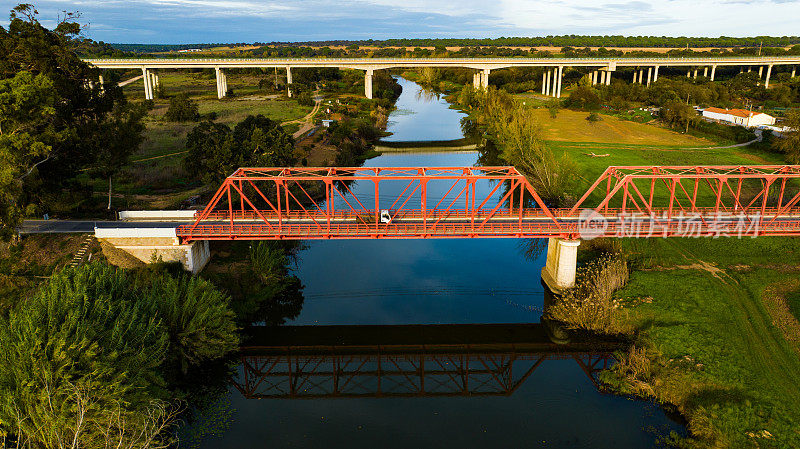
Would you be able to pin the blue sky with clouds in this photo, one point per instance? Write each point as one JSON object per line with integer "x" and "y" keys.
{"x": 201, "y": 21}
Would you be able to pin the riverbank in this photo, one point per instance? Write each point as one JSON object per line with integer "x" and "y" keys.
{"x": 713, "y": 319}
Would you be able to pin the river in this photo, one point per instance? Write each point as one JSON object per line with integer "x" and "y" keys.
{"x": 370, "y": 294}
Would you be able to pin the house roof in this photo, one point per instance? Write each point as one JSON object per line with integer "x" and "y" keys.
{"x": 737, "y": 112}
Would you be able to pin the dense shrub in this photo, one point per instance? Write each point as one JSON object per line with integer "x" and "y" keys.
{"x": 182, "y": 109}
{"x": 92, "y": 354}
{"x": 590, "y": 304}
{"x": 304, "y": 99}
{"x": 215, "y": 151}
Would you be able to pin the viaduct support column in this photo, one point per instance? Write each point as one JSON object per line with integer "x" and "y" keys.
{"x": 485, "y": 79}
{"x": 705, "y": 72}
{"x": 547, "y": 87}
{"x": 602, "y": 77}
{"x": 544, "y": 81}
{"x": 368, "y": 83}
{"x": 695, "y": 74}
{"x": 760, "y": 71}
{"x": 655, "y": 74}
{"x": 288, "y": 81}
{"x": 476, "y": 81}
{"x": 649, "y": 75}
{"x": 794, "y": 70}
{"x": 713, "y": 72}
{"x": 560, "y": 71}
{"x": 148, "y": 86}
{"x": 594, "y": 78}
{"x": 220, "y": 85}
{"x": 608, "y": 78}
{"x": 562, "y": 258}
{"x": 769, "y": 72}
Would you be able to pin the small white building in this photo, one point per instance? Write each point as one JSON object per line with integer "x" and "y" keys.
{"x": 741, "y": 117}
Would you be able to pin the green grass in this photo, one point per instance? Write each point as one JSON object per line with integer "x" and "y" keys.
{"x": 744, "y": 377}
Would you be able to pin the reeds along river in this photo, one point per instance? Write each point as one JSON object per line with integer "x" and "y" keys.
{"x": 340, "y": 387}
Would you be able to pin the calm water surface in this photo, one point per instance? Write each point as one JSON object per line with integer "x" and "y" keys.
{"x": 422, "y": 115}
{"x": 400, "y": 282}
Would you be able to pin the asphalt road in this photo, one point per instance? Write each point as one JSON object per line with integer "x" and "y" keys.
{"x": 85, "y": 226}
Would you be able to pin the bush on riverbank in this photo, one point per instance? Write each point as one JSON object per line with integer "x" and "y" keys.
{"x": 591, "y": 305}
{"x": 91, "y": 356}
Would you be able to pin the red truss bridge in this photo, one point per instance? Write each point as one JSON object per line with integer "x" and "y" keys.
{"x": 494, "y": 202}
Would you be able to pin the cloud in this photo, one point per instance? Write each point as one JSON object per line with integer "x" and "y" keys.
{"x": 173, "y": 21}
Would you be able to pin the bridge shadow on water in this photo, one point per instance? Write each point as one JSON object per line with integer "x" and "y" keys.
{"x": 384, "y": 361}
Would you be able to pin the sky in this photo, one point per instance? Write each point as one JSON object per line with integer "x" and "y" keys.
{"x": 212, "y": 21}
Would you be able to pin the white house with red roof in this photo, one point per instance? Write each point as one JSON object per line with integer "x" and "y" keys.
{"x": 741, "y": 117}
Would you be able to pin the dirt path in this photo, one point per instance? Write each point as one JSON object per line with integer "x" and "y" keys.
{"x": 307, "y": 122}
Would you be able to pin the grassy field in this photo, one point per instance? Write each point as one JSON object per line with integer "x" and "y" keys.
{"x": 572, "y": 126}
{"x": 719, "y": 345}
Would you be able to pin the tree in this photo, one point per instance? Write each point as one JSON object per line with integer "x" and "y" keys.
{"x": 182, "y": 109}
{"x": 67, "y": 117}
{"x": 789, "y": 144}
{"x": 583, "y": 97}
{"x": 27, "y": 135}
{"x": 121, "y": 135}
{"x": 210, "y": 147}
{"x": 215, "y": 151}
{"x": 677, "y": 114}
{"x": 90, "y": 355}
{"x": 304, "y": 99}
{"x": 553, "y": 105}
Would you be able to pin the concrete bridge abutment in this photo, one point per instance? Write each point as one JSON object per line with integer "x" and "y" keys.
{"x": 156, "y": 244}
{"x": 562, "y": 262}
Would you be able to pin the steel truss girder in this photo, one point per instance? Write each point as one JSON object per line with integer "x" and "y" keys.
{"x": 317, "y": 203}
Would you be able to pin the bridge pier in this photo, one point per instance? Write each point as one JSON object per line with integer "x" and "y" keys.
{"x": 794, "y": 71}
{"x": 288, "y": 81}
{"x": 485, "y": 78}
{"x": 655, "y": 74}
{"x": 544, "y": 78}
{"x": 769, "y": 72}
{"x": 547, "y": 85}
{"x": 713, "y": 71}
{"x": 156, "y": 244}
{"x": 368, "y": 83}
{"x": 148, "y": 84}
{"x": 476, "y": 81}
{"x": 222, "y": 83}
{"x": 649, "y": 75}
{"x": 562, "y": 259}
{"x": 560, "y": 72}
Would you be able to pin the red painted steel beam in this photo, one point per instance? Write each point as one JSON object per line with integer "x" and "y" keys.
{"x": 275, "y": 203}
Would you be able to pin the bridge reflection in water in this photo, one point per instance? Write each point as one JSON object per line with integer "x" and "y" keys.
{"x": 313, "y": 362}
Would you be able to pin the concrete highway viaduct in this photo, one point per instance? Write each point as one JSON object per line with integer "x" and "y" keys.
{"x": 551, "y": 77}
